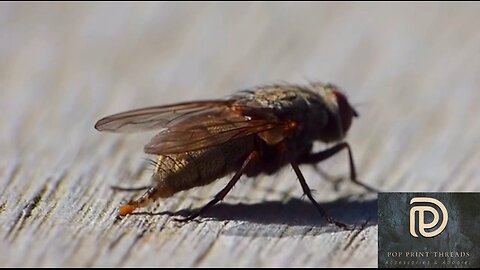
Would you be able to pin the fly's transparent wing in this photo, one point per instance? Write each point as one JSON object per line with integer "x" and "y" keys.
{"x": 155, "y": 117}
{"x": 206, "y": 129}
{"x": 193, "y": 125}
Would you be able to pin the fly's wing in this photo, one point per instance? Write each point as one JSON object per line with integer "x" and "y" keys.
{"x": 193, "y": 125}
{"x": 206, "y": 129}
{"x": 154, "y": 117}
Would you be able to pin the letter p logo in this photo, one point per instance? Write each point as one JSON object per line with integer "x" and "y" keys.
{"x": 421, "y": 217}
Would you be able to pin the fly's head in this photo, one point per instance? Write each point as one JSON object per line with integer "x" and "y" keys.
{"x": 341, "y": 112}
{"x": 345, "y": 111}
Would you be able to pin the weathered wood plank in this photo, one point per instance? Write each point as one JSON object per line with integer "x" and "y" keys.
{"x": 412, "y": 68}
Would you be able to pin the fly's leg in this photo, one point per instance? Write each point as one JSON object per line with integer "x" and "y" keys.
{"x": 221, "y": 195}
{"x": 308, "y": 193}
{"x": 117, "y": 188}
{"x": 320, "y": 156}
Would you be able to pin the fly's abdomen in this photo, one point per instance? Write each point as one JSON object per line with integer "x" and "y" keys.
{"x": 177, "y": 172}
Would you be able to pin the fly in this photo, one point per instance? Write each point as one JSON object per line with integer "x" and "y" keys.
{"x": 256, "y": 131}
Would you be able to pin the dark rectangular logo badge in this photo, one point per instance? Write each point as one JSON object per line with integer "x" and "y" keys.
{"x": 429, "y": 230}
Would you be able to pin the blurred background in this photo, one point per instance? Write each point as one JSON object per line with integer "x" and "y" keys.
{"x": 411, "y": 69}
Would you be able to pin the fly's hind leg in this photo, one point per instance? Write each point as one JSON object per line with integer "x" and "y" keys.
{"x": 117, "y": 188}
{"x": 221, "y": 195}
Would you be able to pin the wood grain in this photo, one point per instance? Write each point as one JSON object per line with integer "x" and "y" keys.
{"x": 411, "y": 69}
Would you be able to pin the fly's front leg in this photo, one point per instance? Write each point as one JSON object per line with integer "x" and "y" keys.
{"x": 313, "y": 158}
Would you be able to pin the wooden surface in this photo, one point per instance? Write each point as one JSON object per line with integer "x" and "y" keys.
{"x": 413, "y": 71}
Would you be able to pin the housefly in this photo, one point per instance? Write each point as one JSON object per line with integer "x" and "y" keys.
{"x": 255, "y": 131}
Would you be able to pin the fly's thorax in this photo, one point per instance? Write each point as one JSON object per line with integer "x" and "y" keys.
{"x": 183, "y": 171}
{"x": 320, "y": 111}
